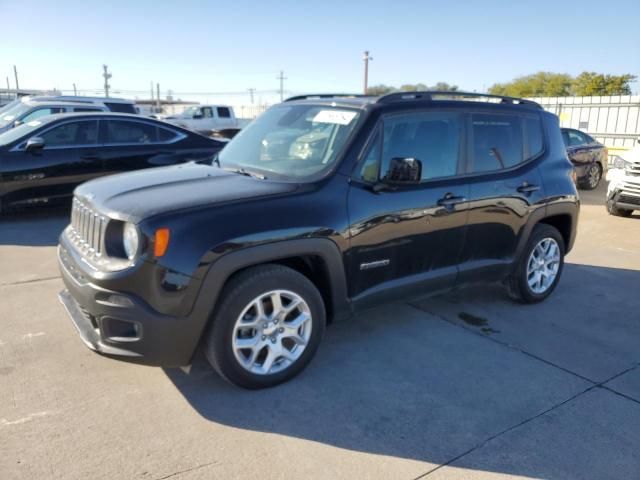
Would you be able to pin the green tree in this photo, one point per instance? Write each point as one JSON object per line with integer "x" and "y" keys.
{"x": 546, "y": 84}
{"x": 377, "y": 90}
{"x": 382, "y": 89}
{"x": 592, "y": 83}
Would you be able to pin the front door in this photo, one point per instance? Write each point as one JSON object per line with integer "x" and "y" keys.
{"x": 67, "y": 159}
{"x": 407, "y": 240}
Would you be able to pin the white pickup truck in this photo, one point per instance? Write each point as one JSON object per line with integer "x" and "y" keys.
{"x": 207, "y": 120}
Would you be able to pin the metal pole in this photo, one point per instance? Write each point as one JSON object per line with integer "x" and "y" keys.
{"x": 75, "y": 90}
{"x": 158, "y": 97}
{"x": 366, "y": 59}
{"x": 15, "y": 73}
{"x": 106, "y": 76}
{"x": 152, "y": 97}
{"x": 282, "y": 78}
{"x": 251, "y": 90}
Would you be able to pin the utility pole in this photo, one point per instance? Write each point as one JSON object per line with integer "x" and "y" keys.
{"x": 366, "y": 59}
{"x": 282, "y": 78}
{"x": 8, "y": 86}
{"x": 106, "y": 76}
{"x": 152, "y": 96}
{"x": 158, "y": 97}
{"x": 75, "y": 90}
{"x": 251, "y": 92}
{"x": 15, "y": 73}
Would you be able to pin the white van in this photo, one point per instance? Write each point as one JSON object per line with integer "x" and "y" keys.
{"x": 28, "y": 108}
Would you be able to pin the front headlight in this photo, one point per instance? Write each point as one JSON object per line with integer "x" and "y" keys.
{"x": 130, "y": 240}
{"x": 618, "y": 162}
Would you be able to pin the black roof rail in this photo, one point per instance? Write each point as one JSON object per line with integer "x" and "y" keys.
{"x": 428, "y": 96}
{"x": 313, "y": 96}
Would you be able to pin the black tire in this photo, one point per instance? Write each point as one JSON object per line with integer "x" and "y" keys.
{"x": 593, "y": 178}
{"x": 612, "y": 209}
{"x": 517, "y": 284}
{"x": 239, "y": 292}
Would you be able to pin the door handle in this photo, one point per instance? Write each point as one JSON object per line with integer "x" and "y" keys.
{"x": 526, "y": 187}
{"x": 449, "y": 200}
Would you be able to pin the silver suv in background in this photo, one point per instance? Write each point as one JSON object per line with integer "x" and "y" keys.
{"x": 623, "y": 191}
{"x": 29, "y": 108}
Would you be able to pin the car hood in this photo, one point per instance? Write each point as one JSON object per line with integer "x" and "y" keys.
{"x": 137, "y": 195}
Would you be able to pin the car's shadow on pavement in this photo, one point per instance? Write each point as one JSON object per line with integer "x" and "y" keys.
{"x": 421, "y": 381}
{"x": 34, "y": 227}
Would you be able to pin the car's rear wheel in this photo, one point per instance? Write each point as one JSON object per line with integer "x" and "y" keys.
{"x": 537, "y": 271}
{"x": 617, "y": 212}
{"x": 594, "y": 175}
{"x": 267, "y": 327}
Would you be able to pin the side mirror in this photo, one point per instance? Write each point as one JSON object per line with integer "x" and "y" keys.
{"x": 17, "y": 123}
{"x": 404, "y": 171}
{"x": 34, "y": 144}
{"x": 197, "y": 116}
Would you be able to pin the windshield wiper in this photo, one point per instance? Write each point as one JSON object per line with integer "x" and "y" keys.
{"x": 246, "y": 173}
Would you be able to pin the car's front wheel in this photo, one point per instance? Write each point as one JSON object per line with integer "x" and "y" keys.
{"x": 594, "y": 175}
{"x": 267, "y": 327}
{"x": 537, "y": 271}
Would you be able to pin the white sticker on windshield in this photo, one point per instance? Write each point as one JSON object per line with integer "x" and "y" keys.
{"x": 339, "y": 117}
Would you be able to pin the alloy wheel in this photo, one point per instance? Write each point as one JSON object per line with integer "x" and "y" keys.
{"x": 272, "y": 332}
{"x": 543, "y": 265}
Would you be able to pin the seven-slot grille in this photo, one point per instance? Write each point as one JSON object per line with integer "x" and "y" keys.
{"x": 87, "y": 229}
{"x": 633, "y": 169}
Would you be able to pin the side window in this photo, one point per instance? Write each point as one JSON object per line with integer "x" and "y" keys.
{"x": 497, "y": 141}
{"x": 86, "y": 109}
{"x": 433, "y": 138}
{"x": 565, "y": 138}
{"x": 130, "y": 132}
{"x": 576, "y": 138}
{"x": 41, "y": 112}
{"x": 207, "y": 112}
{"x": 166, "y": 135}
{"x": 72, "y": 134}
{"x": 533, "y": 126}
{"x": 224, "y": 112}
{"x": 121, "y": 107}
{"x": 369, "y": 171}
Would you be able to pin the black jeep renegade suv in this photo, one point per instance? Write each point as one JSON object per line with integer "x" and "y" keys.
{"x": 323, "y": 206}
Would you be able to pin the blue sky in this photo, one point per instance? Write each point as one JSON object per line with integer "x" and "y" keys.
{"x": 211, "y": 46}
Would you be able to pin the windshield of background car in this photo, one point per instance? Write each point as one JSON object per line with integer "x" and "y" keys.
{"x": 13, "y": 113}
{"x": 20, "y": 131}
{"x": 291, "y": 141}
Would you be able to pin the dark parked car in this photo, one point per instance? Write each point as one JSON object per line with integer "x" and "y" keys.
{"x": 589, "y": 157}
{"x": 43, "y": 160}
{"x": 319, "y": 208}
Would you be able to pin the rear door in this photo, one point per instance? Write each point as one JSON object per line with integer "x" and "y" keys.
{"x": 407, "y": 240}
{"x": 130, "y": 144}
{"x": 67, "y": 159}
{"x": 505, "y": 187}
{"x": 225, "y": 118}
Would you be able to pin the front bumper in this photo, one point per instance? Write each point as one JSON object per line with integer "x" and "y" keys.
{"x": 623, "y": 190}
{"x": 121, "y": 325}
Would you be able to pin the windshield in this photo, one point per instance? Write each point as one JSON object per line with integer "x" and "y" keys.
{"x": 14, "y": 134}
{"x": 291, "y": 141}
{"x": 11, "y": 114}
{"x": 8, "y": 106}
{"x": 190, "y": 111}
